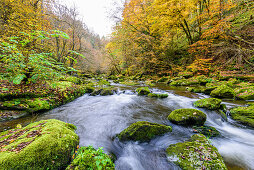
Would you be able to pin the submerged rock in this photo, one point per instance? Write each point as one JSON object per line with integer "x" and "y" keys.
{"x": 187, "y": 117}
{"x": 143, "y": 131}
{"x": 209, "y": 103}
{"x": 244, "y": 115}
{"x": 90, "y": 158}
{"x": 47, "y": 144}
{"x": 142, "y": 91}
{"x": 223, "y": 91}
{"x": 197, "y": 153}
{"x": 157, "y": 95}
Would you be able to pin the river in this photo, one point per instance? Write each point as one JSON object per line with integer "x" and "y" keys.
{"x": 100, "y": 118}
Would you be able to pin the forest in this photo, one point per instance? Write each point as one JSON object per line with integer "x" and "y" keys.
{"x": 172, "y": 87}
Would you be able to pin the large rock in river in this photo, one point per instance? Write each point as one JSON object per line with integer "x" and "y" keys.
{"x": 47, "y": 144}
{"x": 223, "y": 91}
{"x": 143, "y": 131}
{"x": 187, "y": 117}
{"x": 209, "y": 103}
{"x": 244, "y": 115}
{"x": 197, "y": 153}
{"x": 142, "y": 91}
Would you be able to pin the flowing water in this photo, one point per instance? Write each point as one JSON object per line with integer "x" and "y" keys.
{"x": 100, "y": 118}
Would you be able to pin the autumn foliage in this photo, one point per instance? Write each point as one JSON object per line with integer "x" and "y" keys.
{"x": 156, "y": 36}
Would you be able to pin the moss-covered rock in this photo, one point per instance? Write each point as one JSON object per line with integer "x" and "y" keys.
{"x": 187, "y": 117}
{"x": 197, "y": 153}
{"x": 209, "y": 103}
{"x": 157, "y": 95}
{"x": 103, "y": 82}
{"x": 208, "y": 131}
{"x": 142, "y": 91}
{"x": 29, "y": 105}
{"x": 46, "y": 144}
{"x": 129, "y": 83}
{"x": 185, "y": 74}
{"x": 245, "y": 93}
{"x": 199, "y": 80}
{"x": 103, "y": 92}
{"x": 90, "y": 158}
{"x": 223, "y": 91}
{"x": 244, "y": 115}
{"x": 162, "y": 80}
{"x": 143, "y": 131}
{"x": 89, "y": 89}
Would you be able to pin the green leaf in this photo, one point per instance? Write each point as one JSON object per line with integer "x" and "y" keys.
{"x": 18, "y": 79}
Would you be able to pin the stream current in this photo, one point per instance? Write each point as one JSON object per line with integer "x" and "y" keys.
{"x": 100, "y": 118}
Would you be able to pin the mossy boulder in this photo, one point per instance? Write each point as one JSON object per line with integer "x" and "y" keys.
{"x": 143, "y": 131}
{"x": 89, "y": 89}
{"x": 142, "y": 91}
{"x": 74, "y": 80}
{"x": 187, "y": 117}
{"x": 103, "y": 92}
{"x": 223, "y": 91}
{"x": 155, "y": 95}
{"x": 199, "y": 80}
{"x": 244, "y": 115}
{"x": 130, "y": 83}
{"x": 90, "y": 158}
{"x": 209, "y": 103}
{"x": 47, "y": 144}
{"x": 208, "y": 131}
{"x": 197, "y": 153}
{"x": 29, "y": 105}
{"x": 162, "y": 80}
{"x": 245, "y": 93}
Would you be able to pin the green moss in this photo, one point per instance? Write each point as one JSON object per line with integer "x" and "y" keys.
{"x": 103, "y": 91}
{"x": 209, "y": 103}
{"x": 182, "y": 82}
{"x": 199, "y": 80}
{"x": 187, "y": 117}
{"x": 29, "y": 105}
{"x": 72, "y": 79}
{"x": 143, "y": 131}
{"x": 129, "y": 83}
{"x": 244, "y": 115}
{"x": 197, "y": 153}
{"x": 89, "y": 89}
{"x": 103, "y": 83}
{"x": 163, "y": 80}
{"x": 62, "y": 85}
{"x": 149, "y": 83}
{"x": 185, "y": 74}
{"x": 223, "y": 91}
{"x": 143, "y": 91}
{"x": 245, "y": 93}
{"x": 158, "y": 95}
{"x": 46, "y": 144}
{"x": 206, "y": 130}
{"x": 90, "y": 158}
